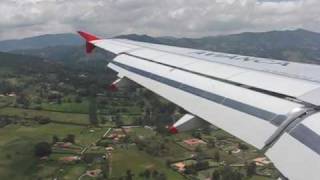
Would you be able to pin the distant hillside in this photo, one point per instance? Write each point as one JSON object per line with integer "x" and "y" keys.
{"x": 298, "y": 45}
{"x": 39, "y": 42}
{"x": 8, "y": 59}
{"x": 24, "y": 63}
{"x": 66, "y": 54}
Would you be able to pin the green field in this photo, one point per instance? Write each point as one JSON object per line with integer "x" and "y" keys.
{"x": 67, "y": 107}
{"x": 16, "y": 146}
{"x": 138, "y": 161}
{"x": 207, "y": 173}
{"x": 4, "y": 101}
{"x": 55, "y": 116}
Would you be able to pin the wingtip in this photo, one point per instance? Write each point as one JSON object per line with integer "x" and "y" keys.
{"x": 87, "y": 36}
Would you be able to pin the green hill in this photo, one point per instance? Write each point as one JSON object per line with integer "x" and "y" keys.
{"x": 298, "y": 45}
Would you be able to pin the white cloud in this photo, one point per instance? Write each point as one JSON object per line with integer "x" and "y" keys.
{"x": 160, "y": 18}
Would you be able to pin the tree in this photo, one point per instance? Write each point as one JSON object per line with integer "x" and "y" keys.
{"x": 196, "y": 134}
{"x": 217, "y": 156}
{"x": 117, "y": 120}
{"x": 200, "y": 165}
{"x": 55, "y": 139}
{"x": 155, "y": 173}
{"x": 23, "y": 99}
{"x": 168, "y": 163}
{"x": 243, "y": 146}
{"x": 198, "y": 149}
{"x": 42, "y": 120}
{"x": 129, "y": 175}
{"x": 211, "y": 143}
{"x": 103, "y": 120}
{"x": 93, "y": 111}
{"x": 251, "y": 169}
{"x": 42, "y": 149}
{"x": 70, "y": 138}
{"x": 215, "y": 175}
{"x": 161, "y": 176}
{"x": 147, "y": 173}
{"x": 229, "y": 174}
{"x": 190, "y": 169}
{"x": 206, "y": 130}
{"x": 78, "y": 99}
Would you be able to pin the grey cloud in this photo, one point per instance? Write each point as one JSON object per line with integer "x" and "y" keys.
{"x": 160, "y": 18}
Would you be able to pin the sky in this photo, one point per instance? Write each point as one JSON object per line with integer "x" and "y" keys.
{"x": 179, "y": 18}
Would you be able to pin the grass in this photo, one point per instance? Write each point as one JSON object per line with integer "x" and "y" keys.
{"x": 73, "y": 172}
{"x": 141, "y": 131}
{"x": 138, "y": 161}
{"x": 4, "y": 101}
{"x": 56, "y": 116}
{"x": 207, "y": 173}
{"x": 67, "y": 107}
{"x": 16, "y": 146}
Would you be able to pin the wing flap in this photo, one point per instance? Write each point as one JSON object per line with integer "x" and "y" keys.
{"x": 234, "y": 109}
{"x": 297, "y": 153}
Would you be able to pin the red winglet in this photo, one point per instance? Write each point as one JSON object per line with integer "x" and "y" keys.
{"x": 88, "y": 37}
{"x": 173, "y": 130}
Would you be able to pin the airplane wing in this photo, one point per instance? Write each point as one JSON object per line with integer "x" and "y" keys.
{"x": 270, "y": 104}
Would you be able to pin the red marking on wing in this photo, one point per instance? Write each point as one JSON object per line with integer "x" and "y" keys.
{"x": 89, "y": 47}
{"x": 88, "y": 37}
{"x": 173, "y": 130}
{"x": 113, "y": 88}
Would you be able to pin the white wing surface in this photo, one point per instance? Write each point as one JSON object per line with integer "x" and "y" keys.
{"x": 270, "y": 104}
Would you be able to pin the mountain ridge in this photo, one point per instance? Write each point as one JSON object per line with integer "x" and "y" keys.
{"x": 293, "y": 45}
{"x": 41, "y": 41}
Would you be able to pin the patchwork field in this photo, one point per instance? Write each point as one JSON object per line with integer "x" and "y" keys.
{"x": 138, "y": 161}
{"x": 55, "y": 116}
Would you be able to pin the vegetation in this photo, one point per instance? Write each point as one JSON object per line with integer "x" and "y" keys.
{"x": 42, "y": 149}
{"x": 63, "y": 100}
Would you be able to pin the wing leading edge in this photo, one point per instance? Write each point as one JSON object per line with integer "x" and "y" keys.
{"x": 250, "y": 103}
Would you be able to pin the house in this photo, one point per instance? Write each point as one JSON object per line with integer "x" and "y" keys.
{"x": 194, "y": 142}
{"x": 12, "y": 95}
{"x": 70, "y": 159}
{"x": 63, "y": 144}
{"x": 94, "y": 173}
{"x": 180, "y": 166}
{"x": 109, "y": 149}
{"x": 261, "y": 161}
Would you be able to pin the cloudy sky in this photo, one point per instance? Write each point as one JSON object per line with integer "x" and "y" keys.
{"x": 188, "y": 18}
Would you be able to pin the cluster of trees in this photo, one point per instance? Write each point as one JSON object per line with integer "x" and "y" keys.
{"x": 157, "y": 112}
{"x": 23, "y": 100}
{"x": 153, "y": 145}
{"x": 227, "y": 173}
{"x": 42, "y": 119}
{"x": 93, "y": 118}
{"x": 7, "y": 87}
{"x": 42, "y": 149}
{"x": 154, "y": 174}
{"x": 6, "y": 120}
{"x": 195, "y": 167}
{"x": 71, "y": 138}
